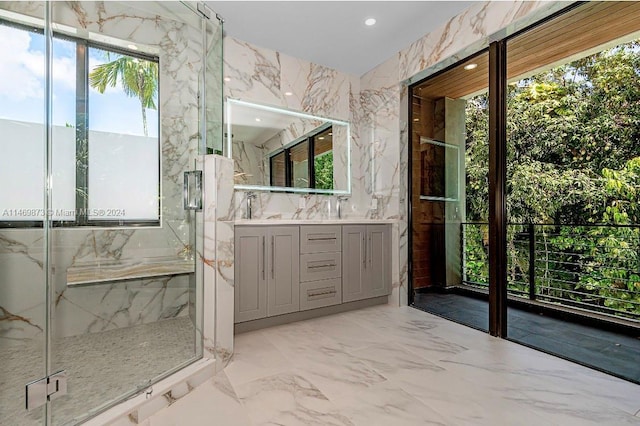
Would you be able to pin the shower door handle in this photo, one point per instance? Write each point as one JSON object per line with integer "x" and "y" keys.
{"x": 192, "y": 190}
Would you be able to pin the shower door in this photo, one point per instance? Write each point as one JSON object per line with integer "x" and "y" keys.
{"x": 100, "y": 286}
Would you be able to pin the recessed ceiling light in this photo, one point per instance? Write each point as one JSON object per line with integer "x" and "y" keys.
{"x": 258, "y": 119}
{"x": 469, "y": 67}
{"x": 132, "y": 46}
{"x": 288, "y": 93}
{"x": 330, "y": 133}
{"x": 416, "y": 119}
{"x": 370, "y": 21}
{"x": 227, "y": 79}
{"x": 321, "y": 138}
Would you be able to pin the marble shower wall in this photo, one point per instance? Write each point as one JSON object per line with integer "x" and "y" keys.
{"x": 177, "y": 40}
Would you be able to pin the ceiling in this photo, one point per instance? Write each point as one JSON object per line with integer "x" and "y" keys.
{"x": 333, "y": 33}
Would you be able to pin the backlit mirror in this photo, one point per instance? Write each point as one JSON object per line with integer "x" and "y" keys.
{"x": 275, "y": 149}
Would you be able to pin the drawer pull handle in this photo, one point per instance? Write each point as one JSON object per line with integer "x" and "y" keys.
{"x": 322, "y": 239}
{"x": 321, "y": 293}
{"x": 330, "y": 265}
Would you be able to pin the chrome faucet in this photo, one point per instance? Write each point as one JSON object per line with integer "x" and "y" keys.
{"x": 249, "y": 197}
{"x": 341, "y": 198}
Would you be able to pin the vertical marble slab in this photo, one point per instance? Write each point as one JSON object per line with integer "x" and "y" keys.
{"x": 225, "y": 256}
{"x": 218, "y": 258}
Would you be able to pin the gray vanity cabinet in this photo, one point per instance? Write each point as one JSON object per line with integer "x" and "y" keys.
{"x": 283, "y": 283}
{"x": 267, "y": 274}
{"x": 250, "y": 273}
{"x": 366, "y": 261}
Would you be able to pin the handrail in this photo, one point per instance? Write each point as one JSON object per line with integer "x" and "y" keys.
{"x": 566, "y": 265}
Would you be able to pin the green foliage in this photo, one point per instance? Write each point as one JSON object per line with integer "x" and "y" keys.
{"x": 573, "y": 158}
{"x": 324, "y": 170}
{"x": 138, "y": 78}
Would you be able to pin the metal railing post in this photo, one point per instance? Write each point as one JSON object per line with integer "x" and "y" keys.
{"x": 532, "y": 262}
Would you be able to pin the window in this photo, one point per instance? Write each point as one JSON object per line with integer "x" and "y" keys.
{"x": 291, "y": 166}
{"x": 104, "y": 132}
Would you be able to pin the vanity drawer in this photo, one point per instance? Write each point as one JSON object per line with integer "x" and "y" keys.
{"x": 320, "y": 266}
{"x": 317, "y": 294}
{"x": 320, "y": 239}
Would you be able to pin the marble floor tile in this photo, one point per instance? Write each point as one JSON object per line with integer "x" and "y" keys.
{"x": 213, "y": 402}
{"x": 254, "y": 357}
{"x": 288, "y": 399}
{"x": 399, "y": 366}
{"x": 385, "y": 404}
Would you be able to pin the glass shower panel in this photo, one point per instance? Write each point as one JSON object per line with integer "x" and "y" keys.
{"x": 23, "y": 321}
{"x": 123, "y": 265}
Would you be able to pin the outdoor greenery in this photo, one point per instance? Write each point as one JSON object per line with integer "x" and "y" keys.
{"x": 573, "y": 163}
{"x": 138, "y": 78}
{"x": 323, "y": 169}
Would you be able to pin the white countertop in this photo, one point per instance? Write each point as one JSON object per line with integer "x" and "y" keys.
{"x": 347, "y": 221}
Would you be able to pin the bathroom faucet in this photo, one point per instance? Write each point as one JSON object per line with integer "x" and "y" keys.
{"x": 250, "y": 196}
{"x": 341, "y": 198}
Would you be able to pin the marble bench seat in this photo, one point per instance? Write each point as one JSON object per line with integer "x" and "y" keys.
{"x": 114, "y": 270}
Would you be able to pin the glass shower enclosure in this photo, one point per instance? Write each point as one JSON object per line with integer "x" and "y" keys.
{"x": 105, "y": 108}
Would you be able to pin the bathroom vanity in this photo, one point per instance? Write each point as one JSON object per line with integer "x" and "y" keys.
{"x": 291, "y": 270}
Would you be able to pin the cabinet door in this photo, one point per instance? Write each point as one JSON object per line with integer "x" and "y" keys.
{"x": 250, "y": 273}
{"x": 379, "y": 262}
{"x": 283, "y": 282}
{"x": 353, "y": 262}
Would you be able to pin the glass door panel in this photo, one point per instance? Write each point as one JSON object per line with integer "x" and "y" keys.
{"x": 23, "y": 265}
{"x": 127, "y": 116}
{"x": 449, "y": 187}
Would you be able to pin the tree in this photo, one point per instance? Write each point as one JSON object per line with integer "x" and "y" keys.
{"x": 573, "y": 160}
{"x": 139, "y": 79}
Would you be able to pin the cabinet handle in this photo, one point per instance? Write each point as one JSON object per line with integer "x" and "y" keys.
{"x": 328, "y": 265}
{"x": 370, "y": 249}
{"x": 264, "y": 255}
{"x": 364, "y": 257}
{"x": 322, "y": 239}
{"x": 321, "y": 293}
{"x": 273, "y": 255}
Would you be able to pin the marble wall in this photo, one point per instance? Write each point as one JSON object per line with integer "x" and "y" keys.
{"x": 218, "y": 258}
{"x": 174, "y": 36}
{"x": 376, "y": 105}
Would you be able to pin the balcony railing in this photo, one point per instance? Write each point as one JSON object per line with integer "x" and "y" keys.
{"x": 590, "y": 267}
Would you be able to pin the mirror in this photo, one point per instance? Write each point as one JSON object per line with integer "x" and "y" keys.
{"x": 275, "y": 149}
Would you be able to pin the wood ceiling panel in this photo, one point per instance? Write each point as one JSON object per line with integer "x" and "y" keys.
{"x": 564, "y": 38}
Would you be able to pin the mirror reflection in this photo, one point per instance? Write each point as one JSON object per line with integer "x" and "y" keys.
{"x": 280, "y": 150}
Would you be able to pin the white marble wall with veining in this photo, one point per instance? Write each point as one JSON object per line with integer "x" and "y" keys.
{"x": 218, "y": 258}
{"x": 177, "y": 40}
{"x": 249, "y": 163}
{"x": 264, "y": 76}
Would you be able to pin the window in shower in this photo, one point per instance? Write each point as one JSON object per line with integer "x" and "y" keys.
{"x": 105, "y": 137}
